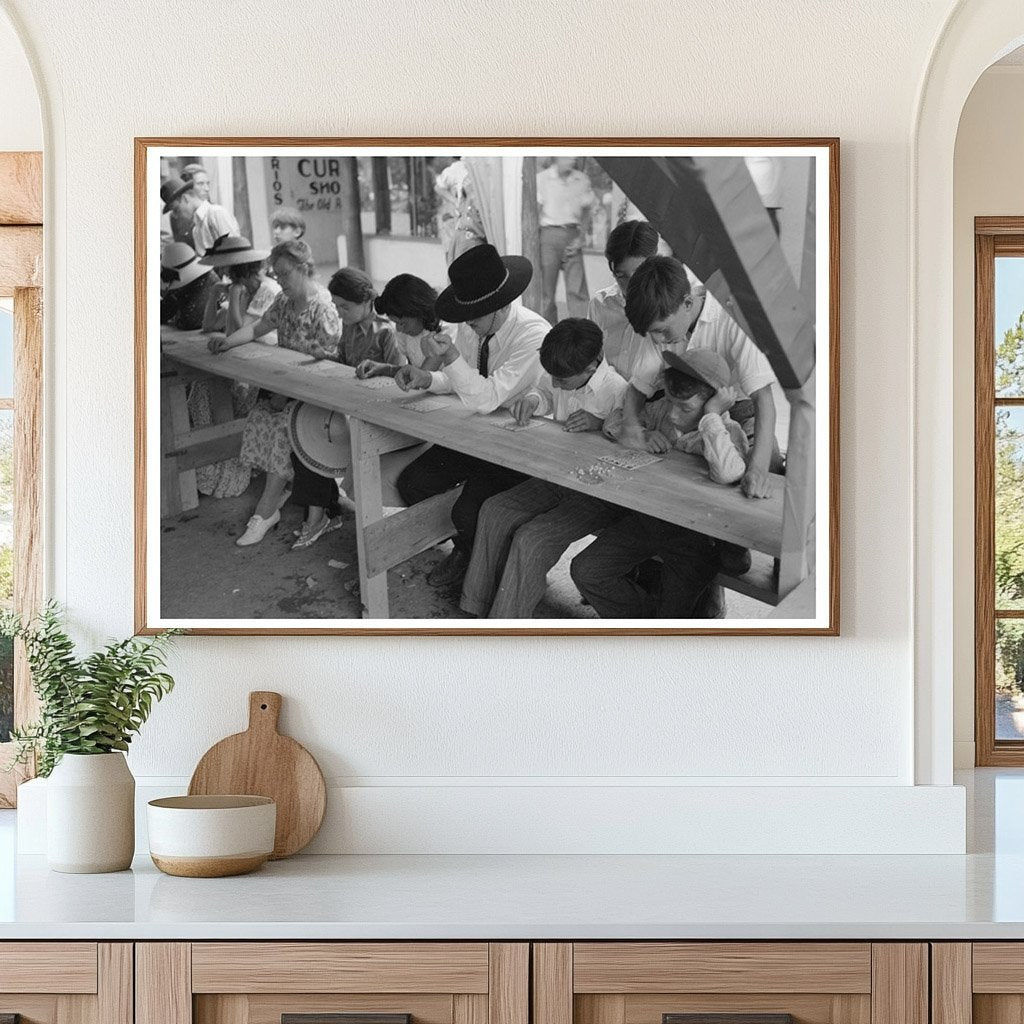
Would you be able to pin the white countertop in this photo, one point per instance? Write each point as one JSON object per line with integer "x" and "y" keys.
{"x": 977, "y": 896}
{"x": 517, "y": 897}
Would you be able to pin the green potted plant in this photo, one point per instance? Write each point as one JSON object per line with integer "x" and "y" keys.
{"x": 89, "y": 710}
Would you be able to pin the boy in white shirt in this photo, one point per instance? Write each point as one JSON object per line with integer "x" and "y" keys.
{"x": 660, "y": 305}
{"x": 523, "y": 532}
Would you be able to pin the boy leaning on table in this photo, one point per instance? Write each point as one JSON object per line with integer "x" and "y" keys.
{"x": 660, "y": 305}
{"x": 523, "y": 532}
{"x": 693, "y": 417}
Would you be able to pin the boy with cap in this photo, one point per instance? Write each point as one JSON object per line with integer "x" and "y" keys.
{"x": 493, "y": 360}
{"x": 660, "y": 305}
{"x": 524, "y": 531}
{"x": 694, "y": 417}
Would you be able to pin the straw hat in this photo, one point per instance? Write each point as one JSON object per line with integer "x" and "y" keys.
{"x": 179, "y": 266}
{"x": 230, "y": 250}
{"x": 320, "y": 439}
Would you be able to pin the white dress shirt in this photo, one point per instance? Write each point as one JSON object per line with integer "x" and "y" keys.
{"x": 513, "y": 362}
{"x": 602, "y": 394}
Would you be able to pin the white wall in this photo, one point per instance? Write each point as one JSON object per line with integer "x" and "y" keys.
{"x": 988, "y": 182}
{"x": 450, "y": 713}
{"x": 21, "y": 126}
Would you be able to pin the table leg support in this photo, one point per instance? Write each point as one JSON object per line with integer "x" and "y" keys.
{"x": 373, "y": 590}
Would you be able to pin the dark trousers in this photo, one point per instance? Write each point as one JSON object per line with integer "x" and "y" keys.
{"x": 605, "y": 572}
{"x": 440, "y": 469}
{"x": 309, "y": 488}
{"x": 561, "y": 249}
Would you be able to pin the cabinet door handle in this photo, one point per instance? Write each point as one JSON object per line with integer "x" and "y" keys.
{"x": 338, "y": 1018}
{"x": 726, "y": 1018}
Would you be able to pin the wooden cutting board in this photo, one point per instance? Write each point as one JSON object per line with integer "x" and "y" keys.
{"x": 262, "y": 762}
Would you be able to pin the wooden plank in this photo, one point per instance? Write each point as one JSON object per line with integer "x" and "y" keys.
{"x": 215, "y": 444}
{"x": 65, "y": 967}
{"x": 998, "y": 226}
{"x": 376, "y": 440}
{"x": 28, "y": 484}
{"x": 339, "y": 967}
{"x": 805, "y": 1008}
{"x": 400, "y": 536}
{"x": 115, "y": 983}
{"x": 799, "y": 495}
{"x": 170, "y": 478}
{"x": 984, "y": 503}
{"x": 227, "y": 1009}
{"x": 268, "y": 1008}
{"x": 508, "y": 993}
{"x": 677, "y": 489}
{"x": 369, "y": 502}
{"x": 899, "y": 993}
{"x": 635, "y": 967}
{"x": 76, "y": 1009}
{"x": 951, "y": 1001}
{"x": 998, "y": 967}
{"x": 163, "y": 983}
{"x": 799, "y": 603}
{"x": 468, "y": 1009}
{"x": 21, "y": 188}
{"x": 758, "y": 583}
{"x": 604, "y": 1009}
{"x": 21, "y": 259}
{"x": 552, "y": 983}
{"x": 997, "y": 1009}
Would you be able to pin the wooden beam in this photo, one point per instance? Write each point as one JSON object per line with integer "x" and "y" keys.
{"x": 709, "y": 211}
{"x": 21, "y": 259}
{"x": 21, "y": 188}
{"x": 28, "y": 483}
{"x": 396, "y": 539}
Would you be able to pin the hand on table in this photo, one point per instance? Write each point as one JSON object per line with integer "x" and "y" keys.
{"x": 756, "y": 483}
{"x": 217, "y": 342}
{"x": 656, "y": 442}
{"x": 522, "y": 409}
{"x": 369, "y": 368}
{"x": 412, "y": 378}
{"x": 581, "y": 421}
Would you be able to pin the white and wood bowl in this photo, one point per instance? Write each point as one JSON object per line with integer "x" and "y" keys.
{"x": 211, "y": 836}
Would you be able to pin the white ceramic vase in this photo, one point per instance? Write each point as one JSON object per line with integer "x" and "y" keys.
{"x": 90, "y": 814}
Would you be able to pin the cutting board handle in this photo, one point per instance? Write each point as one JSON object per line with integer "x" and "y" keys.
{"x": 264, "y": 710}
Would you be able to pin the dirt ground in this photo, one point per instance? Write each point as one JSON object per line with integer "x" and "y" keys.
{"x": 205, "y": 575}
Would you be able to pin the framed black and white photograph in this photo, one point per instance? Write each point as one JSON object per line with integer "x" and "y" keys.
{"x": 471, "y": 386}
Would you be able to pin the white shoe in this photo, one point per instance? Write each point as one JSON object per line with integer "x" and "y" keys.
{"x": 256, "y": 529}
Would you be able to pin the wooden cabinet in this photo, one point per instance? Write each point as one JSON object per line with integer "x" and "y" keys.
{"x": 813, "y": 982}
{"x": 264, "y": 982}
{"x": 978, "y": 983}
{"x": 66, "y": 982}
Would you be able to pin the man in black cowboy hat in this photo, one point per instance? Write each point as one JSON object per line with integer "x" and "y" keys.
{"x": 494, "y": 359}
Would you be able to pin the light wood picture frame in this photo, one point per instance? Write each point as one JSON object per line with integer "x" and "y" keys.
{"x": 770, "y": 263}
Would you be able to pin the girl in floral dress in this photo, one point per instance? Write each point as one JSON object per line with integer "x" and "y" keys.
{"x": 305, "y": 320}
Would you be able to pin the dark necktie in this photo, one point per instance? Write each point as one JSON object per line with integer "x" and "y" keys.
{"x": 481, "y": 360}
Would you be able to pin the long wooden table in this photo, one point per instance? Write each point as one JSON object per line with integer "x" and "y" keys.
{"x": 677, "y": 489}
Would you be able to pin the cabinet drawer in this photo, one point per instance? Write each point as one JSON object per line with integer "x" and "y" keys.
{"x": 66, "y": 982}
{"x": 730, "y": 983}
{"x": 635, "y": 967}
{"x": 58, "y": 967}
{"x": 340, "y": 967}
{"x": 332, "y": 983}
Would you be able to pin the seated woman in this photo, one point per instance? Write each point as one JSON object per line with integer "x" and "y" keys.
{"x": 248, "y": 292}
{"x": 409, "y": 302}
{"x": 305, "y": 320}
{"x": 365, "y": 338}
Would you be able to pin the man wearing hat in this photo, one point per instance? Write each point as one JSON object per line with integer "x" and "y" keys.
{"x": 209, "y": 221}
{"x": 494, "y": 358}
